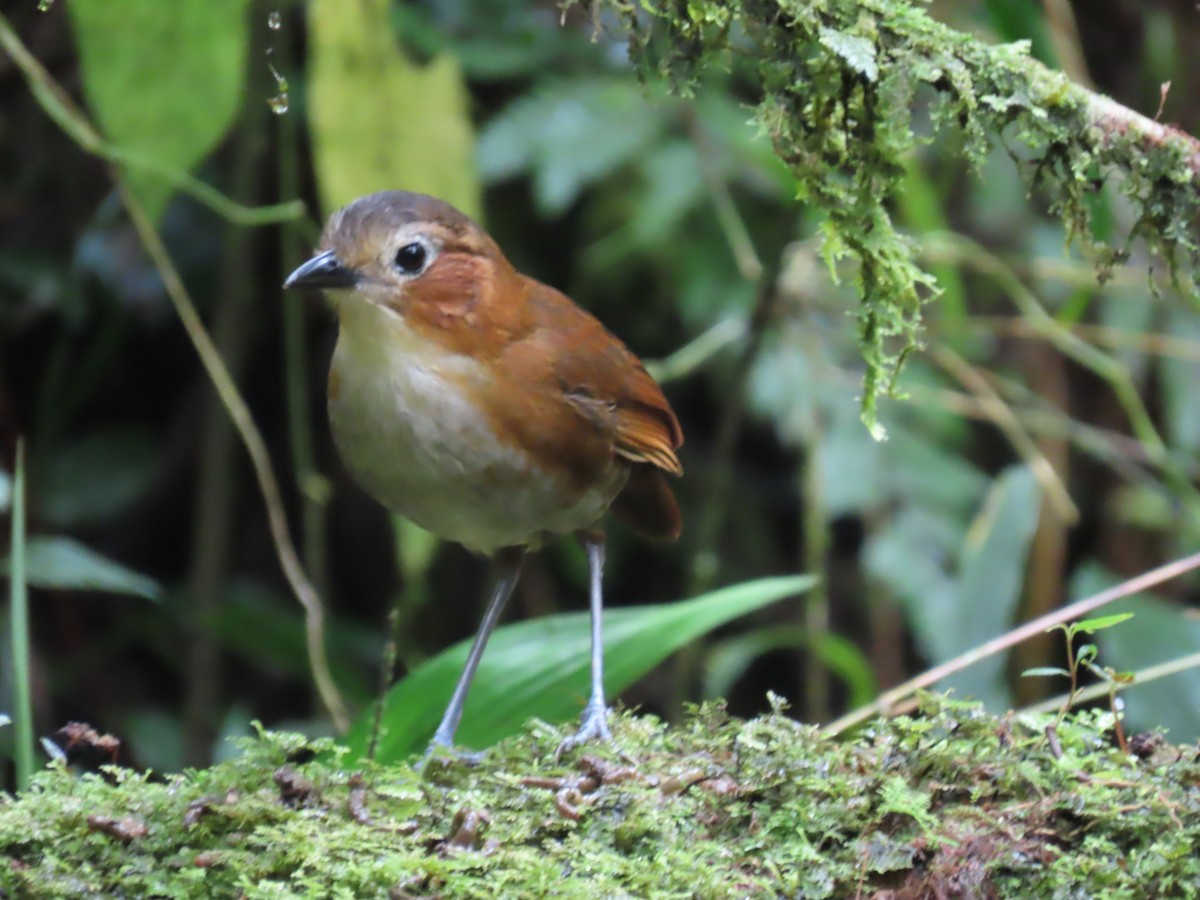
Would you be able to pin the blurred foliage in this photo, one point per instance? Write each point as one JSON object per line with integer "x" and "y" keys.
{"x": 164, "y": 80}
{"x": 377, "y": 119}
{"x": 1048, "y": 432}
{"x": 64, "y": 564}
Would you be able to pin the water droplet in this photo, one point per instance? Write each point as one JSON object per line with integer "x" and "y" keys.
{"x": 278, "y": 103}
{"x": 44, "y": 5}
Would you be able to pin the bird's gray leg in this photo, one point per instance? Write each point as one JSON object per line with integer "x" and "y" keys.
{"x": 508, "y": 565}
{"x": 594, "y": 721}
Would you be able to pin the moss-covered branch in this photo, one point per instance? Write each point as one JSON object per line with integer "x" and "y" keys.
{"x": 954, "y": 803}
{"x": 840, "y": 80}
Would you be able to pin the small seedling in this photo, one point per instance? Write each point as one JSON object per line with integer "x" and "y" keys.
{"x": 1085, "y": 658}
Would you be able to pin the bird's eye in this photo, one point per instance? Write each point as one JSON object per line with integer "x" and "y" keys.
{"x": 410, "y": 259}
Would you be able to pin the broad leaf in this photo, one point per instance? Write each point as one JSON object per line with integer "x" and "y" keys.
{"x": 540, "y": 667}
{"x": 266, "y": 629}
{"x": 728, "y": 661}
{"x": 379, "y": 121}
{"x": 569, "y": 134}
{"x": 164, "y": 79}
{"x": 60, "y": 563}
{"x": 991, "y": 581}
{"x": 952, "y": 613}
{"x": 97, "y": 476}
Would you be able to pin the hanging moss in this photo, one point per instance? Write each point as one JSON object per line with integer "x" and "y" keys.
{"x": 840, "y": 82}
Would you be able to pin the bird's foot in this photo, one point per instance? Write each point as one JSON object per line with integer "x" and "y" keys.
{"x": 444, "y": 752}
{"x": 593, "y": 727}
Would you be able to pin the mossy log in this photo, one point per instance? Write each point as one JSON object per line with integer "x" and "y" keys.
{"x": 951, "y": 802}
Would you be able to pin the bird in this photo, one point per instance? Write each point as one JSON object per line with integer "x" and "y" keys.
{"x": 487, "y": 407}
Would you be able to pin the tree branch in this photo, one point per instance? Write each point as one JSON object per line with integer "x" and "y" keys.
{"x": 840, "y": 80}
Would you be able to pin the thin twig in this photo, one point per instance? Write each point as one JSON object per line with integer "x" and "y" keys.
{"x": 63, "y": 111}
{"x": 887, "y": 701}
{"x": 58, "y": 106}
{"x": 217, "y": 484}
{"x": 314, "y": 614}
{"x": 972, "y": 253}
{"x": 751, "y": 267}
{"x": 1116, "y": 450}
{"x": 1003, "y": 417}
{"x": 697, "y": 352}
{"x": 1103, "y": 689}
{"x": 18, "y": 595}
{"x": 387, "y": 673}
{"x": 312, "y": 486}
{"x": 1168, "y": 345}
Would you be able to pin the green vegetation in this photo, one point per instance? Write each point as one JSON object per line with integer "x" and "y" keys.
{"x": 1043, "y": 446}
{"x": 952, "y": 802}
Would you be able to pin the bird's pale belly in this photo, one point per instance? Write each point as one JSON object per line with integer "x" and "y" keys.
{"x": 411, "y": 436}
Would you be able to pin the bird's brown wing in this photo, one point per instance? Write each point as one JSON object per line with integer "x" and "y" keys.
{"x": 605, "y": 384}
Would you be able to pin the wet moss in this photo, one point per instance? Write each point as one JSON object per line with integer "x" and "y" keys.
{"x": 950, "y": 802}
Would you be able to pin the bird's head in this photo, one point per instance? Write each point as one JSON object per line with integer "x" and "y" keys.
{"x": 413, "y": 255}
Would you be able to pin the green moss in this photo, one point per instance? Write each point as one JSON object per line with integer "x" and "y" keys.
{"x": 840, "y": 80}
{"x": 952, "y": 802}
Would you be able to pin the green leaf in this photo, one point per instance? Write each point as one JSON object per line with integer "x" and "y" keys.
{"x": 164, "y": 80}
{"x": 568, "y": 135}
{"x": 378, "y": 120}
{"x": 1099, "y": 623}
{"x": 540, "y": 667}
{"x": 60, "y": 563}
{"x": 266, "y": 629}
{"x": 728, "y": 660}
{"x": 1045, "y": 671}
{"x": 97, "y": 476}
{"x": 5, "y": 491}
{"x": 991, "y": 580}
{"x": 950, "y": 615}
{"x": 857, "y": 51}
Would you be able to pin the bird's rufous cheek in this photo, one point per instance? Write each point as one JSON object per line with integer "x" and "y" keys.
{"x": 453, "y": 303}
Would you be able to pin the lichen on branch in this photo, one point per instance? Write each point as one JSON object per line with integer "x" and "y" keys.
{"x": 840, "y": 82}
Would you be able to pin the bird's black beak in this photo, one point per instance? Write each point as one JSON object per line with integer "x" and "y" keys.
{"x": 322, "y": 271}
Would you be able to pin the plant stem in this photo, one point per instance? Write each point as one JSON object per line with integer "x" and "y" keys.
{"x": 268, "y": 484}
{"x": 886, "y": 701}
{"x": 58, "y": 106}
{"x": 311, "y": 485}
{"x": 1142, "y": 676}
{"x": 216, "y": 523}
{"x": 19, "y": 627}
{"x": 815, "y": 552}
